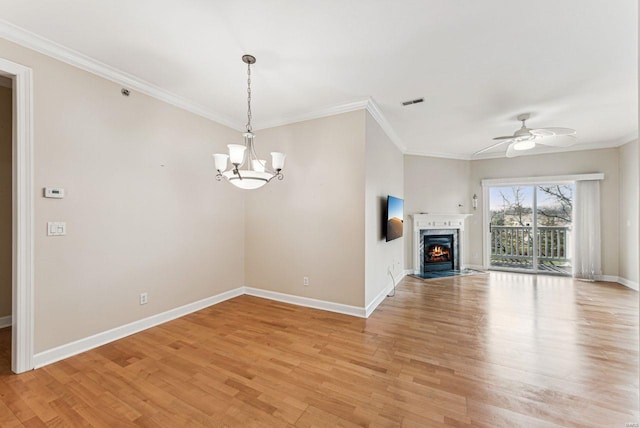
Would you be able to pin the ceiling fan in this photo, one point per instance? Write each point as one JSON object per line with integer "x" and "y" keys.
{"x": 527, "y": 138}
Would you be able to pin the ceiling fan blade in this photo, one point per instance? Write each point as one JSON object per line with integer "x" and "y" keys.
{"x": 550, "y": 132}
{"x": 499, "y": 143}
{"x": 559, "y": 141}
{"x": 510, "y": 137}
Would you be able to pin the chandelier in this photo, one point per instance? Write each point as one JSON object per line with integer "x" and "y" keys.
{"x": 255, "y": 173}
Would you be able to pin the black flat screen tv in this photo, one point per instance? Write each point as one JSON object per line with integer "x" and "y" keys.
{"x": 395, "y": 218}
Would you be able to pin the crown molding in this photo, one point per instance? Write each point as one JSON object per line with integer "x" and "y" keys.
{"x": 376, "y": 113}
{"x": 30, "y": 40}
{"x": 410, "y": 152}
{"x": 367, "y": 104}
{"x": 317, "y": 114}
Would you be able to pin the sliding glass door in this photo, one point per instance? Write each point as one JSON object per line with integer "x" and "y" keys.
{"x": 554, "y": 211}
{"x": 511, "y": 227}
{"x": 530, "y": 228}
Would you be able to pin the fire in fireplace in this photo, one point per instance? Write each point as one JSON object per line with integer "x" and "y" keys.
{"x": 438, "y": 252}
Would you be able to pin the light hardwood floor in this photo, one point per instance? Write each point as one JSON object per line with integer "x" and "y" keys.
{"x": 488, "y": 350}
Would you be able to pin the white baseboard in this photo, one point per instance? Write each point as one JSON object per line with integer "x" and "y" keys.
{"x": 67, "y": 350}
{"x": 627, "y": 283}
{"x": 5, "y": 321}
{"x": 622, "y": 281}
{"x": 306, "y": 301}
{"x": 82, "y": 345}
{"x": 378, "y": 299}
{"x": 383, "y": 294}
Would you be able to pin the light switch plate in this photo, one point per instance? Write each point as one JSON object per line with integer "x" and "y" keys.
{"x": 56, "y": 228}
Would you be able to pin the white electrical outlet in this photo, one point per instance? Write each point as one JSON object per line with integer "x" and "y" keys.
{"x": 305, "y": 281}
{"x": 144, "y": 298}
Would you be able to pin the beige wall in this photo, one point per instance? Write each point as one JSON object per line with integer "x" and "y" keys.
{"x": 579, "y": 162}
{"x": 311, "y": 223}
{"x": 629, "y": 183}
{"x": 5, "y": 199}
{"x": 384, "y": 175}
{"x": 133, "y": 224}
{"x": 435, "y": 185}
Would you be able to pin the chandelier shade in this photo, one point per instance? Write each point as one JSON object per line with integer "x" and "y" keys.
{"x": 248, "y": 179}
{"x": 221, "y": 161}
{"x": 236, "y": 153}
{"x": 255, "y": 173}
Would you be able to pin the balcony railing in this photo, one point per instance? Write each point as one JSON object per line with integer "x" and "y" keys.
{"x": 513, "y": 245}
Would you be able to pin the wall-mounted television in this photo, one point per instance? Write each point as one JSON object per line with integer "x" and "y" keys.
{"x": 395, "y": 218}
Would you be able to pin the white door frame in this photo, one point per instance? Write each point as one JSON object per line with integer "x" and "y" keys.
{"x": 22, "y": 319}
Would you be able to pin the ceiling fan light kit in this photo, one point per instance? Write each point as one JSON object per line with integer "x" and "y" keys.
{"x": 527, "y": 138}
{"x": 524, "y": 145}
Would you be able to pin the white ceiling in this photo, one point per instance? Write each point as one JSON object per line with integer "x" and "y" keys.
{"x": 571, "y": 63}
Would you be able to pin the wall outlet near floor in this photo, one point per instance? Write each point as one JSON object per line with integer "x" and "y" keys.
{"x": 305, "y": 281}
{"x": 144, "y": 298}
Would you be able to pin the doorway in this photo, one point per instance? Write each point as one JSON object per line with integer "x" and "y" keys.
{"x": 22, "y": 269}
{"x": 530, "y": 228}
{"x": 6, "y": 211}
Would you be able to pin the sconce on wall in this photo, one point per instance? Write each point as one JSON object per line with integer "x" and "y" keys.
{"x": 474, "y": 201}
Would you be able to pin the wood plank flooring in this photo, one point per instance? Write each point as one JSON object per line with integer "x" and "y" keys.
{"x": 487, "y": 350}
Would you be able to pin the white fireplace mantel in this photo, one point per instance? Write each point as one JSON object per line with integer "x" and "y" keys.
{"x": 437, "y": 221}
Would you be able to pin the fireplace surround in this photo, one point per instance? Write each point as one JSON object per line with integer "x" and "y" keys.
{"x": 444, "y": 230}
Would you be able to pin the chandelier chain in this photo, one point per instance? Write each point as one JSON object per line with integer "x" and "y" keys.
{"x": 249, "y": 98}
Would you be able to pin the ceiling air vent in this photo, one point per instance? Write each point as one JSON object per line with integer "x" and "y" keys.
{"x": 416, "y": 101}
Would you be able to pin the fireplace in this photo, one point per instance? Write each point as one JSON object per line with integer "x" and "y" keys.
{"x": 438, "y": 230}
{"x": 439, "y": 250}
{"x": 439, "y": 253}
